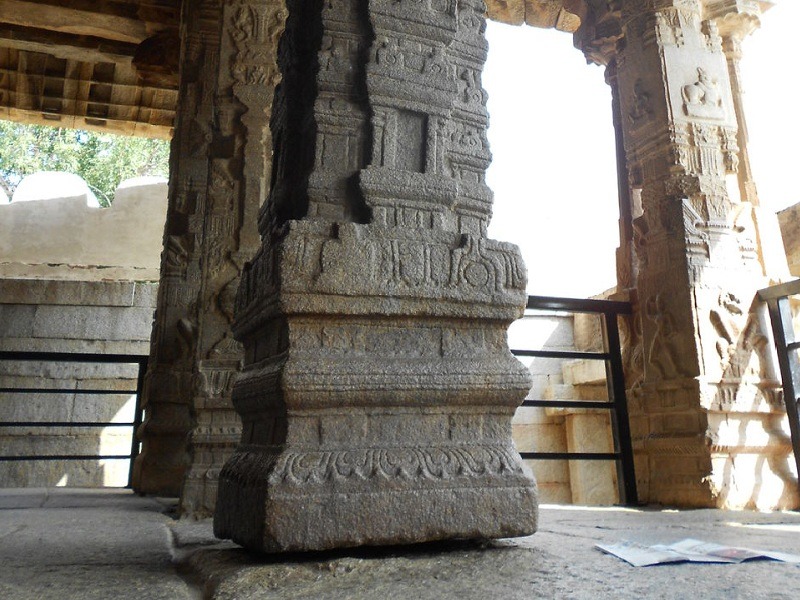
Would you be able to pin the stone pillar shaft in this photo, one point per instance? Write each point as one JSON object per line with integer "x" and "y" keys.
{"x": 378, "y": 388}
{"x": 237, "y": 184}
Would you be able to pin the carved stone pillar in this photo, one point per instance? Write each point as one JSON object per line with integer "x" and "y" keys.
{"x": 629, "y": 208}
{"x": 240, "y": 159}
{"x": 735, "y": 22}
{"x": 708, "y": 429}
{"x": 378, "y": 388}
{"x": 167, "y": 398}
{"x": 220, "y": 165}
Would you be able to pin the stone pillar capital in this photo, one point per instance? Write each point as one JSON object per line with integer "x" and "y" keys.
{"x": 600, "y": 33}
{"x": 736, "y": 18}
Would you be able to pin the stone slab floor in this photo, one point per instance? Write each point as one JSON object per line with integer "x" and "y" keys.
{"x": 99, "y": 544}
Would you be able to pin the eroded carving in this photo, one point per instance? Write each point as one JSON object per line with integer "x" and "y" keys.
{"x": 439, "y": 463}
{"x": 665, "y": 355}
{"x": 642, "y": 103}
{"x": 702, "y": 98}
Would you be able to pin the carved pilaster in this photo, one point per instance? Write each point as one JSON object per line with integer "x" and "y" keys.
{"x": 735, "y": 21}
{"x": 378, "y": 388}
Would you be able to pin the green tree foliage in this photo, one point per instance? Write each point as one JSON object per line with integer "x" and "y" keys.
{"x": 102, "y": 160}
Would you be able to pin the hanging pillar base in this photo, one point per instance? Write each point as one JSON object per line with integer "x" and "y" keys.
{"x": 321, "y": 500}
{"x": 372, "y": 416}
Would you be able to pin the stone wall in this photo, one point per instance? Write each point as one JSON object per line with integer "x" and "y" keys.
{"x": 70, "y": 316}
{"x": 789, "y": 220}
{"x": 75, "y": 279}
{"x": 63, "y": 238}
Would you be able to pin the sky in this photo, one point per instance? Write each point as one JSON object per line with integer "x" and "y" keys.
{"x": 552, "y": 140}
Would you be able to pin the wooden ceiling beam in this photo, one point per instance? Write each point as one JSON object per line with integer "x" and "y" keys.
{"x": 68, "y": 46}
{"x": 90, "y": 80}
{"x": 107, "y": 125}
{"x": 119, "y": 21}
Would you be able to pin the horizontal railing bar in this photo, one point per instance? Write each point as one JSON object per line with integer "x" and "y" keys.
{"x": 570, "y": 455}
{"x": 578, "y": 305}
{"x": 793, "y": 346}
{"x": 562, "y": 354}
{"x": 139, "y": 360}
{"x": 73, "y": 357}
{"x": 89, "y": 392}
{"x": 66, "y": 457}
{"x": 62, "y": 424}
{"x": 790, "y": 288}
{"x": 568, "y": 404}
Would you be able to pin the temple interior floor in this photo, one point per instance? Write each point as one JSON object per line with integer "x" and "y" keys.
{"x": 85, "y": 544}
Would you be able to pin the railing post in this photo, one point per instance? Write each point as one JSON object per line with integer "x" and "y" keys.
{"x": 780, "y": 316}
{"x": 620, "y": 423}
{"x": 137, "y": 416}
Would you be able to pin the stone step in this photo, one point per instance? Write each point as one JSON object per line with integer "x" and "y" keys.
{"x": 584, "y": 372}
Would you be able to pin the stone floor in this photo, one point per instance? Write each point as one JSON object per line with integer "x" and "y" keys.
{"x": 91, "y": 544}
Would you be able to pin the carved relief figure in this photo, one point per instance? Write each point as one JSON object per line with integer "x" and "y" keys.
{"x": 176, "y": 255}
{"x": 724, "y": 319}
{"x": 702, "y": 98}
{"x": 642, "y": 109}
{"x": 187, "y": 337}
{"x": 664, "y": 353}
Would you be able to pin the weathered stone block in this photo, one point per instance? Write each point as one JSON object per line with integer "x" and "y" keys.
{"x": 582, "y": 372}
{"x": 531, "y": 414}
{"x": 16, "y": 321}
{"x": 589, "y": 332}
{"x": 507, "y": 11}
{"x": 545, "y": 437}
{"x": 592, "y": 482}
{"x": 105, "y": 323}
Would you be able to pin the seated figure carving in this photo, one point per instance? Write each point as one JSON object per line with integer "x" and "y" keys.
{"x": 702, "y": 98}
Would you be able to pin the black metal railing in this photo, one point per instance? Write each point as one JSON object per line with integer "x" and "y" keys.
{"x": 787, "y": 345}
{"x": 68, "y": 357}
{"x": 608, "y": 311}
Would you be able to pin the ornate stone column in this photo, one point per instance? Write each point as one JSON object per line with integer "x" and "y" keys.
{"x": 240, "y": 159}
{"x": 220, "y": 164}
{"x": 708, "y": 429}
{"x": 167, "y": 398}
{"x": 378, "y": 388}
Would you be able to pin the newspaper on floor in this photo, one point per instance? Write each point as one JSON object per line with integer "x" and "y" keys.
{"x": 689, "y": 550}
